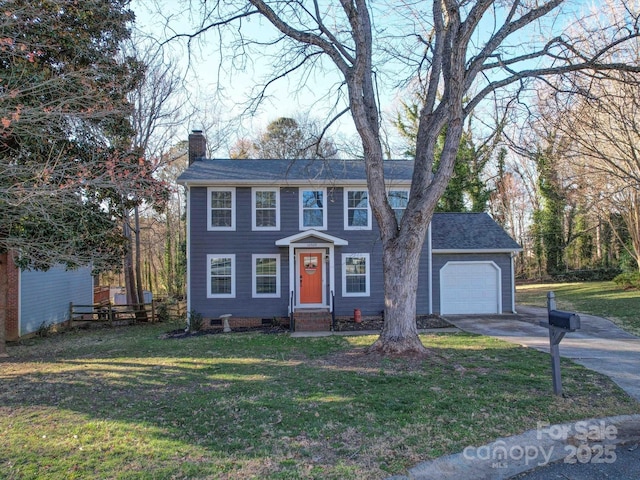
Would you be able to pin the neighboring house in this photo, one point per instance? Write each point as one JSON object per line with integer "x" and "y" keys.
{"x": 271, "y": 238}
{"x": 41, "y": 298}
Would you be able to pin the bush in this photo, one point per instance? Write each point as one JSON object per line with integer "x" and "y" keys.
{"x": 195, "y": 321}
{"x": 163, "y": 313}
{"x": 593, "y": 275}
{"x": 628, "y": 280}
{"x": 44, "y": 330}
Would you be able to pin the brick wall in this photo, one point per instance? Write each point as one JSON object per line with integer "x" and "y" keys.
{"x": 11, "y": 272}
{"x": 240, "y": 322}
{"x": 13, "y": 308}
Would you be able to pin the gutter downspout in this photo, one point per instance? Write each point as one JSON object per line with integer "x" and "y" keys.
{"x": 430, "y": 269}
{"x": 188, "y": 280}
{"x": 19, "y": 288}
{"x": 513, "y": 285}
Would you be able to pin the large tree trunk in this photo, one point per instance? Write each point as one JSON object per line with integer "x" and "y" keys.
{"x": 128, "y": 270}
{"x": 4, "y": 302}
{"x": 168, "y": 257}
{"x": 141, "y": 313}
{"x": 399, "y": 335}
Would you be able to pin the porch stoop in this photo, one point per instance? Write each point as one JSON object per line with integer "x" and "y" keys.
{"x": 312, "y": 320}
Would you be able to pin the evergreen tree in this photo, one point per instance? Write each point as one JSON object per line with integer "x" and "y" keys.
{"x": 65, "y": 133}
{"x": 466, "y": 190}
{"x": 548, "y": 220}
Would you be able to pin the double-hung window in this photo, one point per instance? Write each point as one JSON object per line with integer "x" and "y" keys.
{"x": 398, "y": 199}
{"x": 221, "y": 270}
{"x": 266, "y": 276}
{"x": 313, "y": 209}
{"x": 266, "y": 208}
{"x": 355, "y": 274}
{"x": 221, "y": 205}
{"x": 357, "y": 211}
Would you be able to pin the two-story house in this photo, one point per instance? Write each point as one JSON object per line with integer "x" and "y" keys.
{"x": 281, "y": 238}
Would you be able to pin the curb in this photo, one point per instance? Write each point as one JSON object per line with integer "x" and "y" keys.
{"x": 510, "y": 456}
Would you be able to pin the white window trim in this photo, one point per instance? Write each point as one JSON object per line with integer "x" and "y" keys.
{"x": 233, "y": 209}
{"x": 346, "y": 209}
{"x": 399, "y": 189}
{"x": 367, "y": 291}
{"x": 233, "y": 276}
{"x": 254, "y": 209}
{"x": 254, "y": 276}
{"x": 301, "y": 209}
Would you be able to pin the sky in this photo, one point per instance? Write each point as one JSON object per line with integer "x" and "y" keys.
{"x": 225, "y": 91}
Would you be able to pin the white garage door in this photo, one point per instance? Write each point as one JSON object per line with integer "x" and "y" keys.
{"x": 470, "y": 287}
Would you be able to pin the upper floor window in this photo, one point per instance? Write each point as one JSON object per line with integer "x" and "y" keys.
{"x": 265, "y": 212}
{"x": 357, "y": 211}
{"x": 313, "y": 209}
{"x": 398, "y": 199}
{"x": 221, "y": 203}
{"x": 221, "y": 276}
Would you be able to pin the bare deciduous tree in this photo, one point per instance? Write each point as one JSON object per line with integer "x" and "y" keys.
{"x": 597, "y": 119}
{"x": 458, "y": 53}
{"x": 157, "y": 112}
{"x": 603, "y": 123}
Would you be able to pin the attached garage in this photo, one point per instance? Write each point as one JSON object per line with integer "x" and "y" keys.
{"x": 470, "y": 288}
{"x": 472, "y": 270}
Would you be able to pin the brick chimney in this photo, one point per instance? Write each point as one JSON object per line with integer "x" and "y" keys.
{"x": 197, "y": 146}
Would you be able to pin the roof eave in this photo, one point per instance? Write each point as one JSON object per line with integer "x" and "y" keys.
{"x": 285, "y": 183}
{"x": 444, "y": 251}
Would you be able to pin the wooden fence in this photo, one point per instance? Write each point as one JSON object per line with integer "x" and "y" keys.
{"x": 117, "y": 314}
{"x": 106, "y": 312}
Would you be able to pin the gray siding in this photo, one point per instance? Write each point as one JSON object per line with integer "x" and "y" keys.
{"x": 503, "y": 260}
{"x": 45, "y": 296}
{"x": 244, "y": 242}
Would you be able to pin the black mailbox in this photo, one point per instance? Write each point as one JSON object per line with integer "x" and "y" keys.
{"x": 565, "y": 320}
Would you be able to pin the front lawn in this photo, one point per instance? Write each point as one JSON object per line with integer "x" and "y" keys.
{"x": 604, "y": 299}
{"x": 122, "y": 403}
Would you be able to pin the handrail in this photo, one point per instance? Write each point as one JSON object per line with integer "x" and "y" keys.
{"x": 291, "y": 320}
{"x": 333, "y": 311}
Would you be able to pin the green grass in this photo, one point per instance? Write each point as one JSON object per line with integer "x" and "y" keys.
{"x": 604, "y": 299}
{"x": 123, "y": 404}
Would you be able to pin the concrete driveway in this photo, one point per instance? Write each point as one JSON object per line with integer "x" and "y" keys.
{"x": 599, "y": 344}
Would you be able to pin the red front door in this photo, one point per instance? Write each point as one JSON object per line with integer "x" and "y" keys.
{"x": 310, "y": 270}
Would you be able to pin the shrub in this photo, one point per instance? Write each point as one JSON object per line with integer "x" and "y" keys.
{"x": 44, "y": 330}
{"x": 195, "y": 321}
{"x": 163, "y": 313}
{"x": 593, "y": 275}
{"x": 628, "y": 280}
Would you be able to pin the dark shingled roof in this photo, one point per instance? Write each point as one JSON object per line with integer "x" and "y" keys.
{"x": 469, "y": 231}
{"x": 288, "y": 171}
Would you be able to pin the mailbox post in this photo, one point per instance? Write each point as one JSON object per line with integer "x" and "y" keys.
{"x": 559, "y": 324}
